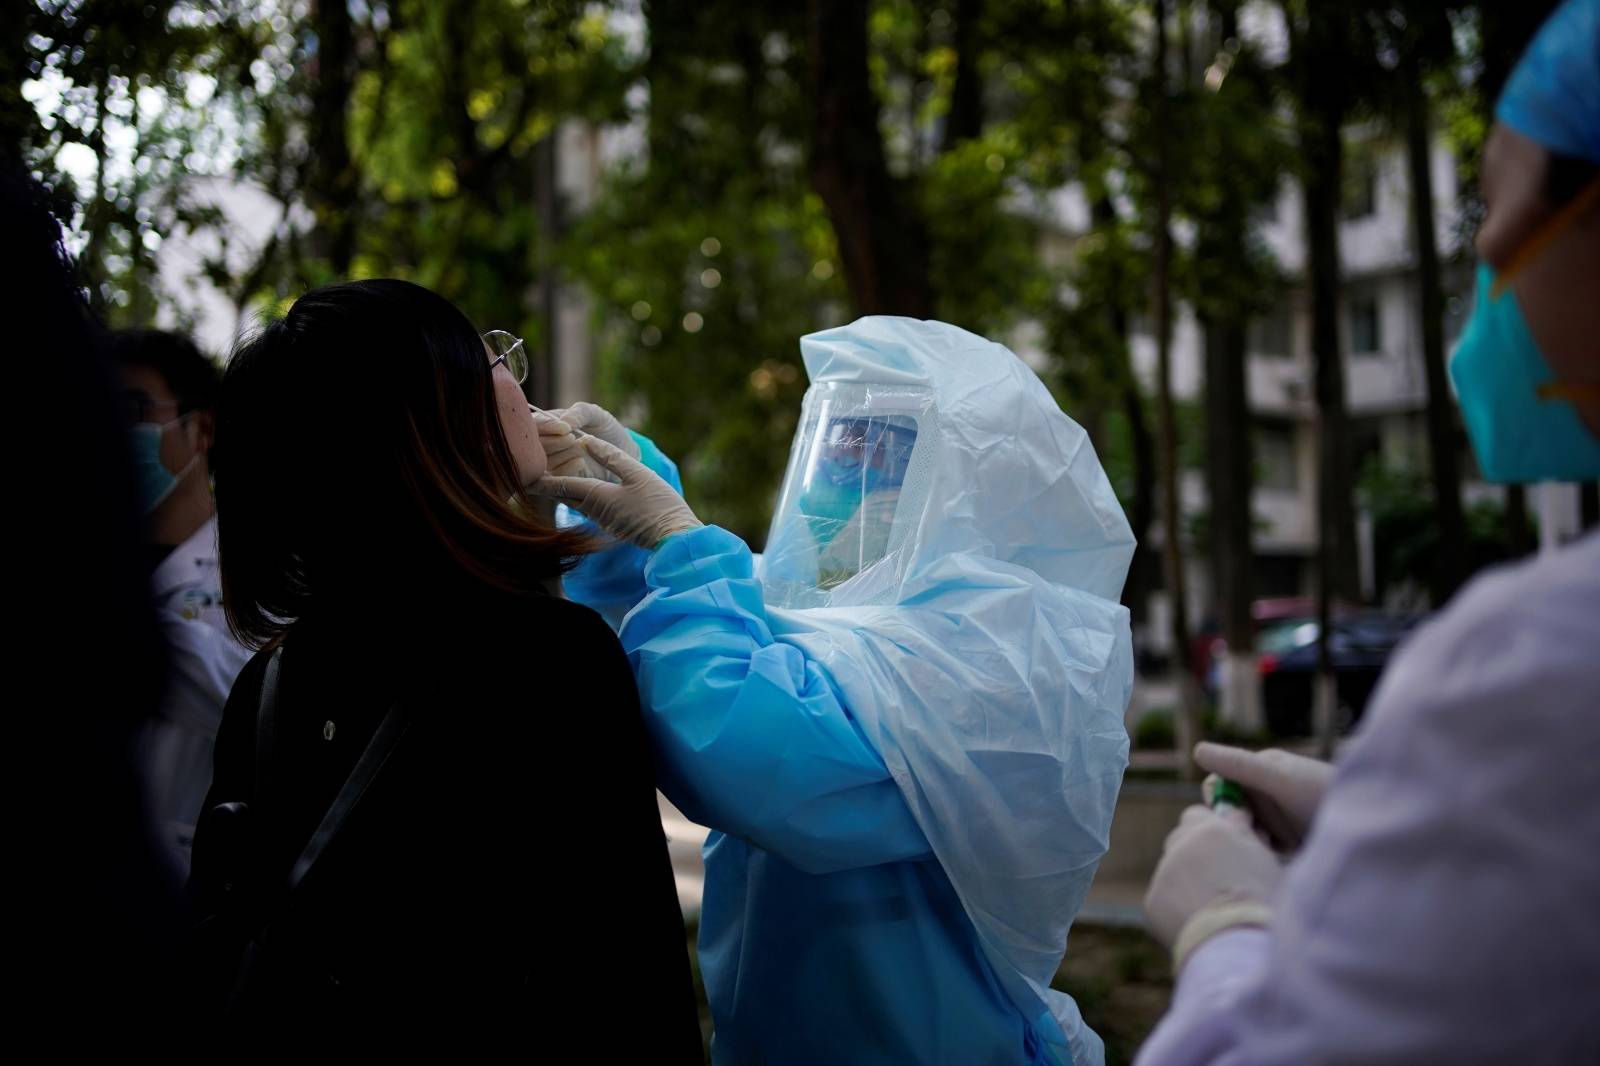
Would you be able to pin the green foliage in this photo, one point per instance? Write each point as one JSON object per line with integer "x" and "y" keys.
{"x": 705, "y": 253}
{"x": 1216, "y": 728}
{"x": 79, "y": 83}
{"x": 446, "y": 103}
{"x": 1405, "y": 531}
{"x": 1122, "y": 982}
{"x": 711, "y": 258}
{"x": 699, "y": 309}
{"x": 1155, "y": 731}
{"x": 985, "y": 261}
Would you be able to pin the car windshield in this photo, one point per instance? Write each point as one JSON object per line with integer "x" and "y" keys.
{"x": 1369, "y": 632}
{"x": 1287, "y": 636}
{"x": 1374, "y": 631}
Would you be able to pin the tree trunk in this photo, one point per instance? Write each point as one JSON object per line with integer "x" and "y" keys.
{"x": 19, "y": 121}
{"x": 1336, "y": 519}
{"x": 1188, "y": 718}
{"x": 97, "y": 217}
{"x": 332, "y": 185}
{"x": 1229, "y": 462}
{"x": 1322, "y": 105}
{"x": 541, "y": 384}
{"x": 1230, "y": 465}
{"x": 1142, "y": 571}
{"x": 1449, "y": 565}
{"x": 671, "y": 27}
{"x": 1518, "y": 541}
{"x": 141, "y": 288}
{"x": 883, "y": 240}
{"x": 965, "y": 120}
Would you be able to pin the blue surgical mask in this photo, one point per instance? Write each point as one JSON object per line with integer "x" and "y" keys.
{"x": 155, "y": 481}
{"x": 1498, "y": 372}
{"x": 861, "y": 458}
{"x": 830, "y": 502}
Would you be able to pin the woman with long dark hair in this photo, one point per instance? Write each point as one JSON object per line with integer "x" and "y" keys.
{"x": 433, "y": 807}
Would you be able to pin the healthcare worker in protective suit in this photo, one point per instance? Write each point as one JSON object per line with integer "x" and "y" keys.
{"x": 905, "y": 726}
{"x": 1442, "y": 907}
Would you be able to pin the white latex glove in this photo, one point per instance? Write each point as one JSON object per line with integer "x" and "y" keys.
{"x": 639, "y": 507}
{"x": 598, "y": 422}
{"x": 1213, "y": 875}
{"x": 562, "y": 455}
{"x": 1284, "y": 789}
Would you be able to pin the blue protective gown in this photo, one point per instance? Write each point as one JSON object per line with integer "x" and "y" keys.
{"x": 829, "y": 933}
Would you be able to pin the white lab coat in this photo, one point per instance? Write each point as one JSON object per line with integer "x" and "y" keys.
{"x": 204, "y": 659}
{"x": 1446, "y": 906}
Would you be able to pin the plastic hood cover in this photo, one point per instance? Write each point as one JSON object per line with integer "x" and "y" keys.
{"x": 948, "y": 548}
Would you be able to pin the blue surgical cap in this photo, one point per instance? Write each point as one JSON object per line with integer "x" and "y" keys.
{"x": 1553, "y": 95}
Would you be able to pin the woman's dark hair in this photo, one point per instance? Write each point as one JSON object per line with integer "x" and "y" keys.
{"x": 359, "y": 459}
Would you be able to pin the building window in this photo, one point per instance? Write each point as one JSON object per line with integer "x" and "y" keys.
{"x": 1271, "y": 334}
{"x": 1359, "y": 194}
{"x": 1362, "y": 312}
{"x": 1276, "y": 467}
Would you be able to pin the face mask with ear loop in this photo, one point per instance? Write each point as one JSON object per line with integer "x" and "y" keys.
{"x": 1520, "y": 417}
{"x": 155, "y": 481}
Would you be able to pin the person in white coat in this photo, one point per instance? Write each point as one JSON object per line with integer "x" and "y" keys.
{"x": 1444, "y": 905}
{"x": 169, "y": 389}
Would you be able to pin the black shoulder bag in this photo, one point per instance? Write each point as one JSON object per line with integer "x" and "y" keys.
{"x": 248, "y": 914}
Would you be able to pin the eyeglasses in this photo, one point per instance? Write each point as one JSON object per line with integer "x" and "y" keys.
{"x": 504, "y": 348}
{"x": 135, "y": 407}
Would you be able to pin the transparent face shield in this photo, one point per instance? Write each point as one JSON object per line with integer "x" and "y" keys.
{"x": 844, "y": 504}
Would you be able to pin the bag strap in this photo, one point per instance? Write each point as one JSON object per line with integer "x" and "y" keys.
{"x": 266, "y": 719}
{"x": 373, "y": 757}
{"x": 372, "y": 760}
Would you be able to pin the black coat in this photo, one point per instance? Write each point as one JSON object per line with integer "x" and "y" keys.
{"x": 504, "y": 878}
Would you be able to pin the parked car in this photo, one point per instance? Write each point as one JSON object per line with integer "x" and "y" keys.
{"x": 1208, "y": 647}
{"x": 1360, "y": 646}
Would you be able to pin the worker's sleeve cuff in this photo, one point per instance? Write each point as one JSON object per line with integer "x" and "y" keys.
{"x": 1209, "y": 921}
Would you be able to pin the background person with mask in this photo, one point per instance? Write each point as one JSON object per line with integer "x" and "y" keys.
{"x": 1443, "y": 905}
{"x": 169, "y": 393}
